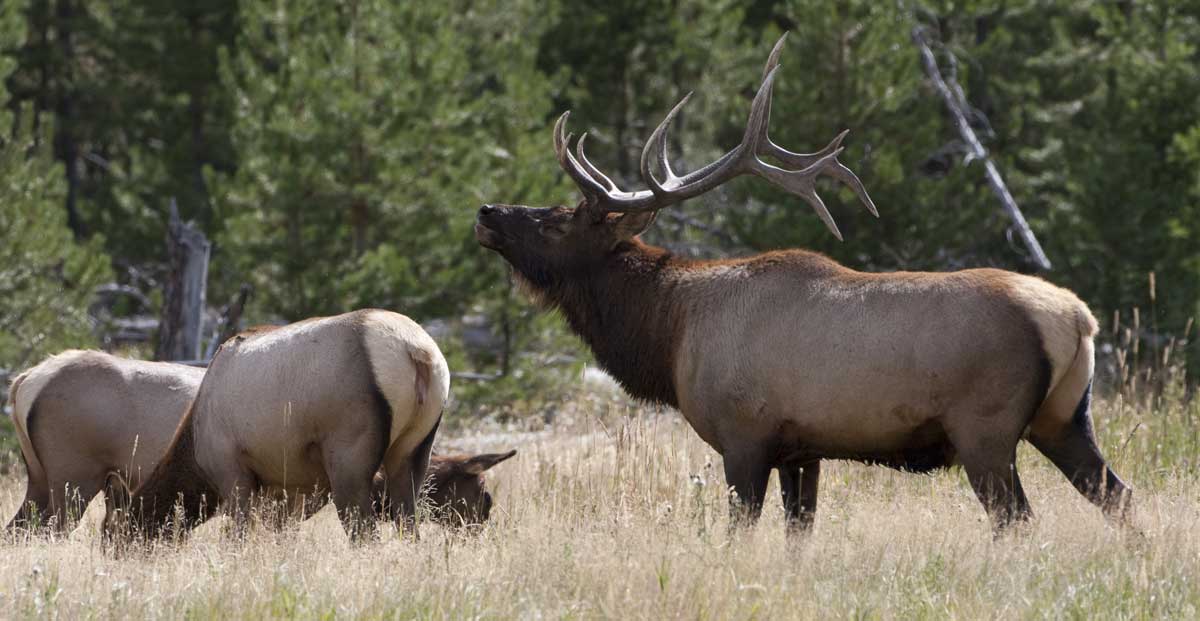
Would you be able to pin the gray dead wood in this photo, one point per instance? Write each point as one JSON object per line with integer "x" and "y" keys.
{"x": 955, "y": 105}
{"x": 183, "y": 291}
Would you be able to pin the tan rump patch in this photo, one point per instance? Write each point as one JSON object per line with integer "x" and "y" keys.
{"x": 1062, "y": 319}
{"x": 401, "y": 354}
{"x": 26, "y": 389}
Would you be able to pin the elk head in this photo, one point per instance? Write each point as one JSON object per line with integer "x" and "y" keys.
{"x": 456, "y": 488}
{"x": 550, "y": 245}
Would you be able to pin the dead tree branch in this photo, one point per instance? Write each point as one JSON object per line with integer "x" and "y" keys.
{"x": 956, "y": 104}
{"x": 230, "y": 321}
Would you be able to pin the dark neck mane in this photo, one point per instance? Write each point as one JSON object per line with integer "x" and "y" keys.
{"x": 177, "y": 479}
{"x": 628, "y": 314}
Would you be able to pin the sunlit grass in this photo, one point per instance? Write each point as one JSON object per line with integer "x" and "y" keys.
{"x": 617, "y": 512}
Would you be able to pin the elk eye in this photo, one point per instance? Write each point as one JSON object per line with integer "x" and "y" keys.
{"x": 553, "y": 231}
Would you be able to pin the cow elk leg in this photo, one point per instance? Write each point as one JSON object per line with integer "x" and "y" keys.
{"x": 239, "y": 492}
{"x": 350, "y": 472}
{"x": 352, "y": 498}
{"x": 1075, "y": 453}
{"x": 798, "y": 483}
{"x": 68, "y": 501}
{"x": 747, "y": 474}
{"x": 33, "y": 510}
{"x": 404, "y": 477}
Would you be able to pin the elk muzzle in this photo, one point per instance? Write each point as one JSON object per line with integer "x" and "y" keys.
{"x": 485, "y": 227}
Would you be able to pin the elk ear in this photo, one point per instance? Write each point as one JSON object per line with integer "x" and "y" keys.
{"x": 480, "y": 463}
{"x": 630, "y": 225}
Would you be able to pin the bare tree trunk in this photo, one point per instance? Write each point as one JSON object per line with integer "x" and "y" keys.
{"x": 954, "y": 103}
{"x": 183, "y": 291}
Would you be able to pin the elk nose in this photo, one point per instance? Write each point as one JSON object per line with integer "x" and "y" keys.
{"x": 486, "y": 209}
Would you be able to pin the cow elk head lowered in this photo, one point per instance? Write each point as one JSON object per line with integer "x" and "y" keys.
{"x": 782, "y": 359}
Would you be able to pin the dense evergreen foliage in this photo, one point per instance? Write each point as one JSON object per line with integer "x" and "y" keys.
{"x": 46, "y": 277}
{"x": 336, "y": 151}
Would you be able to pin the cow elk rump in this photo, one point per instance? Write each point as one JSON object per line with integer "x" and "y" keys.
{"x": 313, "y": 408}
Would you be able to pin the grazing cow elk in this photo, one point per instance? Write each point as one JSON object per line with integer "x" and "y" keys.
{"x": 315, "y": 407}
{"x": 455, "y": 487}
{"x": 83, "y": 415}
{"x": 782, "y": 359}
{"x": 100, "y": 415}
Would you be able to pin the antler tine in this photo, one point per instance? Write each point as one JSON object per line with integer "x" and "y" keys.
{"x": 589, "y": 186}
{"x": 766, "y": 146}
{"x": 760, "y": 113}
{"x": 558, "y": 132}
{"x": 740, "y": 160}
{"x": 776, "y": 52}
{"x": 592, "y": 171}
{"x": 798, "y": 182}
{"x": 839, "y": 171}
{"x": 658, "y": 142}
{"x": 791, "y": 159}
{"x": 802, "y": 184}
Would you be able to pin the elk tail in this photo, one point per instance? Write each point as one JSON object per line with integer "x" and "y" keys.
{"x": 1072, "y": 391}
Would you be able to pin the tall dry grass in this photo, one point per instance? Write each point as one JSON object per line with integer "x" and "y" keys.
{"x": 617, "y": 512}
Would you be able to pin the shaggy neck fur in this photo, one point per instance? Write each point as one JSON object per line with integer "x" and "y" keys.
{"x": 177, "y": 479}
{"x": 627, "y": 312}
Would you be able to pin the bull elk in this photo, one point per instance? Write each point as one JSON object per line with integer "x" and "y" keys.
{"x": 783, "y": 359}
{"x": 313, "y": 408}
{"x": 99, "y": 415}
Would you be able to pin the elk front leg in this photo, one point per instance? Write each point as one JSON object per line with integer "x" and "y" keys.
{"x": 746, "y": 473}
{"x": 798, "y": 484}
{"x": 237, "y": 492}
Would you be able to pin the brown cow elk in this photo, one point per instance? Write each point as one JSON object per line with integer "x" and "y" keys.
{"x": 455, "y": 488}
{"x": 314, "y": 408}
{"x": 783, "y": 359}
{"x": 85, "y": 418}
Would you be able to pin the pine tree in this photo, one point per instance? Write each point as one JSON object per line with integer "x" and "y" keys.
{"x": 368, "y": 132}
{"x": 132, "y": 92}
{"x": 46, "y": 278}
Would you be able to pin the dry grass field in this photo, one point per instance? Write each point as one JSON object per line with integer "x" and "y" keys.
{"x": 617, "y": 512}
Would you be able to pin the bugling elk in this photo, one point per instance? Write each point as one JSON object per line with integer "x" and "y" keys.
{"x": 783, "y": 359}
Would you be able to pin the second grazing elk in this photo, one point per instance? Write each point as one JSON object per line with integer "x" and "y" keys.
{"x": 784, "y": 359}
{"x": 316, "y": 407}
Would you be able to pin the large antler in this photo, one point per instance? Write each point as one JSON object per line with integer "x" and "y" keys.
{"x": 602, "y": 195}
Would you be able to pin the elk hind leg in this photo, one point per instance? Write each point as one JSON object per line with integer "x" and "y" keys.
{"x": 992, "y": 471}
{"x": 350, "y": 473}
{"x": 33, "y": 512}
{"x": 403, "y": 477}
{"x": 1074, "y": 451}
{"x": 987, "y": 450}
